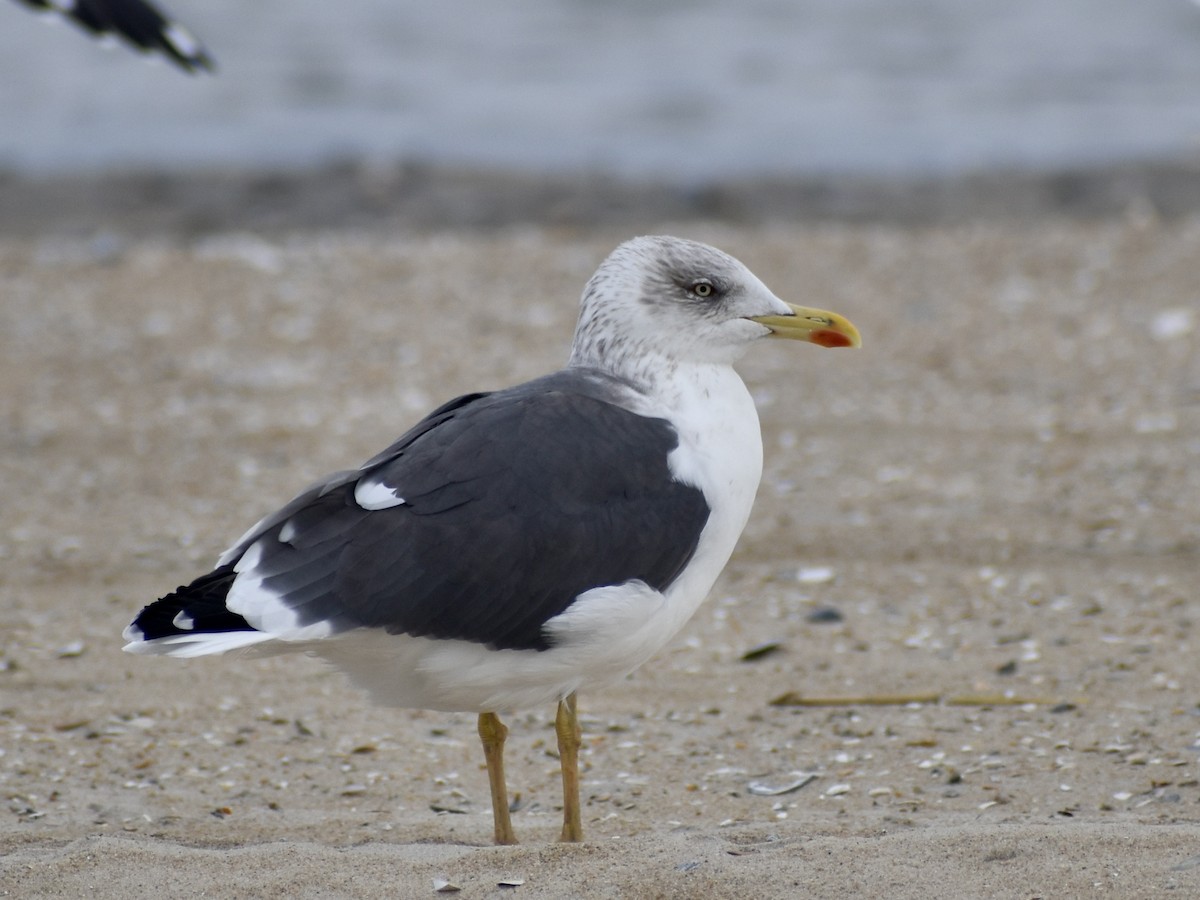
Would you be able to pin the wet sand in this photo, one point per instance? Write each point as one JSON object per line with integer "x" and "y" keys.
{"x": 977, "y": 538}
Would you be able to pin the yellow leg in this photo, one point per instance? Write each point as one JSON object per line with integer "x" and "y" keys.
{"x": 566, "y": 726}
{"x": 493, "y": 733}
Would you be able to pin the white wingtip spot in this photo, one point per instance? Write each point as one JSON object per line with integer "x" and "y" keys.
{"x": 183, "y": 41}
{"x": 183, "y": 621}
{"x": 373, "y": 495}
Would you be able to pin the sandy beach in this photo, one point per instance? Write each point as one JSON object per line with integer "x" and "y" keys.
{"x": 965, "y": 602}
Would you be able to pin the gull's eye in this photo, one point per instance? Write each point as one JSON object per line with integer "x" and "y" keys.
{"x": 703, "y": 289}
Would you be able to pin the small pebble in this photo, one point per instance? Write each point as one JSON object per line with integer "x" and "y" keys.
{"x": 66, "y": 651}
{"x": 824, "y": 615}
{"x": 759, "y": 651}
{"x": 1172, "y": 323}
{"x": 814, "y": 575}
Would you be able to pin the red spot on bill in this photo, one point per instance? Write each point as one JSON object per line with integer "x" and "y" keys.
{"x": 827, "y": 338}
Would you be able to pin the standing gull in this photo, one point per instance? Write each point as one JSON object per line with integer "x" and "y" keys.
{"x": 514, "y": 547}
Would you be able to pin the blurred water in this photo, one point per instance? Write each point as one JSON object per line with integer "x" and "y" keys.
{"x": 679, "y": 88}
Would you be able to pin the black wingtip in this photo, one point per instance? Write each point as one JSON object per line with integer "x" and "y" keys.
{"x": 196, "y": 608}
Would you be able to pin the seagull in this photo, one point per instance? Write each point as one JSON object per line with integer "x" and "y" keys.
{"x": 515, "y": 547}
{"x": 139, "y": 22}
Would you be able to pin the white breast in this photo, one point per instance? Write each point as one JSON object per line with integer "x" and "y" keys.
{"x": 720, "y": 452}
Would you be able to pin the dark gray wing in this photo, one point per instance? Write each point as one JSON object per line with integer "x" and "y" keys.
{"x": 138, "y": 22}
{"x": 514, "y": 503}
{"x": 311, "y": 495}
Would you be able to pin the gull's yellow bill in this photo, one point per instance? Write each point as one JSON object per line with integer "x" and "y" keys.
{"x": 817, "y": 326}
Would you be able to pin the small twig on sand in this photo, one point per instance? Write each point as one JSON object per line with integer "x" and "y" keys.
{"x": 791, "y": 698}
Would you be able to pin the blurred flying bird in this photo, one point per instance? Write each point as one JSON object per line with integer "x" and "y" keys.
{"x": 138, "y": 22}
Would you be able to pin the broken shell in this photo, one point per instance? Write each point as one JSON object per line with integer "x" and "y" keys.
{"x": 767, "y": 790}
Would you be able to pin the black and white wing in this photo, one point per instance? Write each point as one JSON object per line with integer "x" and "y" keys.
{"x": 483, "y": 522}
{"x": 138, "y": 22}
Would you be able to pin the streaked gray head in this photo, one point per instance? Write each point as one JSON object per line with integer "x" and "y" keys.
{"x": 673, "y": 300}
